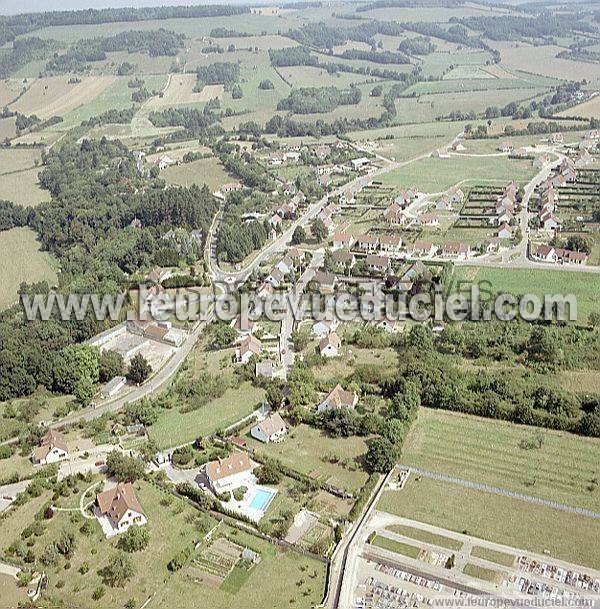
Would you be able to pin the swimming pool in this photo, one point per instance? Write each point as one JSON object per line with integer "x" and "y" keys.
{"x": 261, "y": 499}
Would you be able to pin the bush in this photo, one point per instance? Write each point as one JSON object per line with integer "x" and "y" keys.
{"x": 238, "y": 493}
{"x": 135, "y": 539}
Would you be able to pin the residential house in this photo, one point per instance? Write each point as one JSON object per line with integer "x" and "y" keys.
{"x": 390, "y": 243}
{"x": 424, "y": 248}
{"x": 346, "y": 198}
{"x": 337, "y": 399}
{"x": 429, "y": 220}
{"x": 456, "y": 195}
{"x": 368, "y": 243}
{"x": 505, "y": 232}
{"x": 285, "y": 265}
{"x": 231, "y": 187}
{"x": 322, "y": 152}
{"x": 295, "y": 255}
{"x": 330, "y": 345}
{"x": 394, "y": 215}
{"x": 575, "y": 257}
{"x": 230, "y": 473}
{"x": 271, "y": 429}
{"x": 275, "y": 221}
{"x": 506, "y": 146}
{"x": 455, "y": 249}
{"x": 275, "y": 278}
{"x": 557, "y": 138}
{"x": 323, "y": 327}
{"x": 444, "y": 204}
{"x": 242, "y": 325}
{"x": 164, "y": 161}
{"x": 550, "y": 221}
{"x": 53, "y": 448}
{"x": 344, "y": 258}
{"x": 325, "y": 282}
{"x": 342, "y": 240}
{"x": 546, "y": 253}
{"x": 541, "y": 160}
{"x": 159, "y": 274}
{"x": 377, "y": 264}
{"x": 121, "y": 507}
{"x": 583, "y": 158}
{"x": 248, "y": 347}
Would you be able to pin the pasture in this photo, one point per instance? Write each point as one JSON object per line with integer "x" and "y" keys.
{"x": 18, "y": 159}
{"x": 588, "y": 109}
{"x": 492, "y": 452}
{"x": 496, "y": 518}
{"x": 539, "y": 282}
{"x": 54, "y": 96}
{"x": 180, "y": 91}
{"x": 21, "y": 260}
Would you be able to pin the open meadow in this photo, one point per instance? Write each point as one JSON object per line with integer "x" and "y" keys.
{"x": 504, "y": 520}
{"x": 21, "y": 260}
{"x": 208, "y": 171}
{"x": 495, "y": 452}
{"x": 539, "y": 282}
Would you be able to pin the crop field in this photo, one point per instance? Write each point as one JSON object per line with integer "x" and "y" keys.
{"x": 7, "y": 128}
{"x": 307, "y": 76}
{"x": 204, "y": 171}
{"x": 23, "y": 187}
{"x": 21, "y": 260}
{"x": 542, "y": 60}
{"x": 490, "y": 451}
{"x": 9, "y": 90}
{"x": 54, "y": 96}
{"x": 539, "y": 282}
{"x": 180, "y": 90}
{"x": 436, "y": 175}
{"x": 307, "y": 450}
{"x": 496, "y": 518}
{"x": 427, "y": 108}
{"x": 18, "y": 159}
{"x": 174, "y": 428}
{"x": 588, "y": 109}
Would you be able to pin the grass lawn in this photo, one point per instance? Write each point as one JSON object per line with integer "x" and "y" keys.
{"x": 10, "y": 593}
{"x": 426, "y": 536}
{"x": 486, "y": 450}
{"x": 488, "y": 575}
{"x": 204, "y": 171}
{"x": 500, "y": 519}
{"x": 500, "y": 558}
{"x": 174, "y": 428}
{"x": 396, "y": 546}
{"x": 307, "y": 450}
{"x": 436, "y": 175}
{"x": 18, "y": 159}
{"x": 539, "y": 282}
{"x": 20, "y": 245}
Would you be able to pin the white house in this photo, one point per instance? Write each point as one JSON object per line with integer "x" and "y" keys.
{"x": 505, "y": 232}
{"x": 424, "y": 248}
{"x": 341, "y": 240}
{"x": 272, "y": 429}
{"x": 121, "y": 507}
{"x": 338, "y": 398}
{"x": 52, "y": 449}
{"x": 230, "y": 473}
{"x": 323, "y": 327}
{"x": 330, "y": 345}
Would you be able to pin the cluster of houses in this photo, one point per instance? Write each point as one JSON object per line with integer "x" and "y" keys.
{"x": 565, "y": 174}
{"x": 327, "y": 214}
{"x": 505, "y": 207}
{"x": 395, "y": 214}
{"x": 449, "y": 250}
{"x": 287, "y": 211}
{"x": 547, "y": 253}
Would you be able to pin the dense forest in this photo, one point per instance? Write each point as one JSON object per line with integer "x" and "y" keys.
{"x": 154, "y": 42}
{"x": 220, "y": 73}
{"x": 96, "y": 193}
{"x": 312, "y": 100}
{"x": 16, "y": 25}
{"x": 23, "y": 51}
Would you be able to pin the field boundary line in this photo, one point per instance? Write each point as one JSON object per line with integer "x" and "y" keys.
{"x": 480, "y": 486}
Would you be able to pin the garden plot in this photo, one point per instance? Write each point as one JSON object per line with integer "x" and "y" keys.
{"x": 213, "y": 564}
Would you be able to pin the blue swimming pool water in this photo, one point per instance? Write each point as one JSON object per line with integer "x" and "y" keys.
{"x": 261, "y": 499}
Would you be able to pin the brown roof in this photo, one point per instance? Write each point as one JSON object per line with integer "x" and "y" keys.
{"x": 116, "y": 501}
{"x": 390, "y": 240}
{"x": 455, "y": 247}
{"x": 342, "y": 238}
{"x": 235, "y": 464}
{"x": 272, "y": 424}
{"x": 339, "y": 398}
{"x": 251, "y": 343}
{"x": 368, "y": 239}
{"x": 374, "y": 260}
{"x": 331, "y": 339}
{"x": 422, "y": 245}
{"x": 51, "y": 439}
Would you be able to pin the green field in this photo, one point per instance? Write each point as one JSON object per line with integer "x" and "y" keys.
{"x": 309, "y": 451}
{"x": 426, "y": 536}
{"x": 174, "y": 428}
{"x": 396, "y": 546}
{"x": 203, "y": 171}
{"x": 499, "y": 519}
{"x": 500, "y": 558}
{"x": 21, "y": 260}
{"x": 436, "y": 175}
{"x": 488, "y": 575}
{"x": 540, "y": 282}
{"x": 488, "y": 451}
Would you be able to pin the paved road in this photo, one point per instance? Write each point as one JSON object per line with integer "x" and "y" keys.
{"x": 156, "y": 382}
{"x": 505, "y": 493}
{"x": 9, "y": 492}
